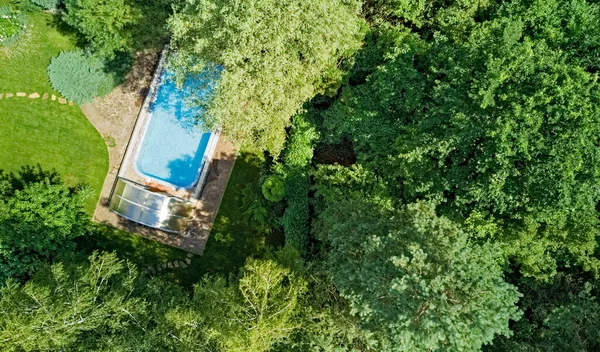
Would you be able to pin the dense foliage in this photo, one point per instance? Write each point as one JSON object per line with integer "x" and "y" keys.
{"x": 71, "y": 303}
{"x": 103, "y": 24}
{"x": 80, "y": 76}
{"x": 276, "y": 55}
{"x": 415, "y": 278}
{"x": 39, "y": 217}
{"x": 432, "y": 166}
{"x": 496, "y": 126}
{"x": 296, "y": 170}
{"x": 47, "y": 4}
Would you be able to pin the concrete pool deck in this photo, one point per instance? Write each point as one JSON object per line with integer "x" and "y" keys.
{"x": 114, "y": 116}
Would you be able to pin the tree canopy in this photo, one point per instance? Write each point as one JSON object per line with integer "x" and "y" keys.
{"x": 105, "y": 25}
{"x": 415, "y": 278}
{"x": 497, "y": 126}
{"x": 275, "y": 56}
{"x": 39, "y": 216}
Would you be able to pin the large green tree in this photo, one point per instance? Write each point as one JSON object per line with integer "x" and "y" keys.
{"x": 498, "y": 126}
{"x": 415, "y": 278}
{"x": 249, "y": 314}
{"x": 560, "y": 315}
{"x": 275, "y": 56}
{"x": 39, "y": 217}
{"x": 62, "y": 302}
{"x": 106, "y": 25}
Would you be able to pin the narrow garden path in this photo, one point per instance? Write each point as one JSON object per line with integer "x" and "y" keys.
{"x": 154, "y": 269}
{"x": 36, "y": 95}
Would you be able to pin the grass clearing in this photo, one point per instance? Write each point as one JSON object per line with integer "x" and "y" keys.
{"x": 23, "y": 65}
{"x": 43, "y": 131}
{"x": 55, "y": 136}
{"x": 232, "y": 239}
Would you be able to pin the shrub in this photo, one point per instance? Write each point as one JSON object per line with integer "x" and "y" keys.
{"x": 296, "y": 219}
{"x": 297, "y": 166}
{"x": 273, "y": 188}
{"x": 25, "y": 5}
{"x": 47, "y": 4}
{"x": 80, "y": 77}
{"x": 12, "y": 25}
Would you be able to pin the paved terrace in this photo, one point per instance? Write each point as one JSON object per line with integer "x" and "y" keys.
{"x": 114, "y": 116}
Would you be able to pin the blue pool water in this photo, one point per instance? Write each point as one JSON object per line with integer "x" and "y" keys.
{"x": 175, "y": 140}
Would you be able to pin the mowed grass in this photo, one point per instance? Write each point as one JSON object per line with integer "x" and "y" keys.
{"x": 23, "y": 65}
{"x": 55, "y": 136}
{"x": 40, "y": 131}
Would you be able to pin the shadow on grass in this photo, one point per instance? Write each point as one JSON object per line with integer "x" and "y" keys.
{"x": 232, "y": 239}
{"x": 137, "y": 249}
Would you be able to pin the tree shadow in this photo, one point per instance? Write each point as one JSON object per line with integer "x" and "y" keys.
{"x": 184, "y": 170}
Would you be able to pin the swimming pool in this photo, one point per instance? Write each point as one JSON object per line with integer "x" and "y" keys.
{"x": 174, "y": 145}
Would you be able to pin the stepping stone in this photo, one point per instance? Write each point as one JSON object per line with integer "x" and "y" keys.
{"x": 62, "y": 100}
{"x": 45, "y": 96}
{"x": 184, "y": 265}
{"x": 9, "y": 95}
{"x": 53, "y": 97}
{"x": 181, "y": 263}
{"x": 151, "y": 269}
{"x": 188, "y": 261}
{"x": 189, "y": 255}
{"x": 164, "y": 266}
{"x": 176, "y": 264}
{"x": 34, "y": 96}
{"x": 21, "y": 94}
{"x": 1, "y": 95}
{"x": 170, "y": 265}
{"x": 71, "y": 103}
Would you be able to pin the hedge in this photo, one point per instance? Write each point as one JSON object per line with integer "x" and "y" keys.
{"x": 296, "y": 168}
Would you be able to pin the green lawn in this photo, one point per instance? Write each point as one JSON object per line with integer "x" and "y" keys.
{"x": 23, "y": 65}
{"x": 232, "y": 239}
{"x": 55, "y": 136}
{"x": 43, "y": 131}
{"x": 137, "y": 249}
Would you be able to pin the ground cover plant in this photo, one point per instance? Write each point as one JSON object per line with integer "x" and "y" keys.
{"x": 12, "y": 25}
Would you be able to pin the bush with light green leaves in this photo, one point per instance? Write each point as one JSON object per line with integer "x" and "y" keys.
{"x": 80, "y": 77}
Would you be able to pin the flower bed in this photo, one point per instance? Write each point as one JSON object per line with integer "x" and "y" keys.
{"x": 12, "y": 25}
